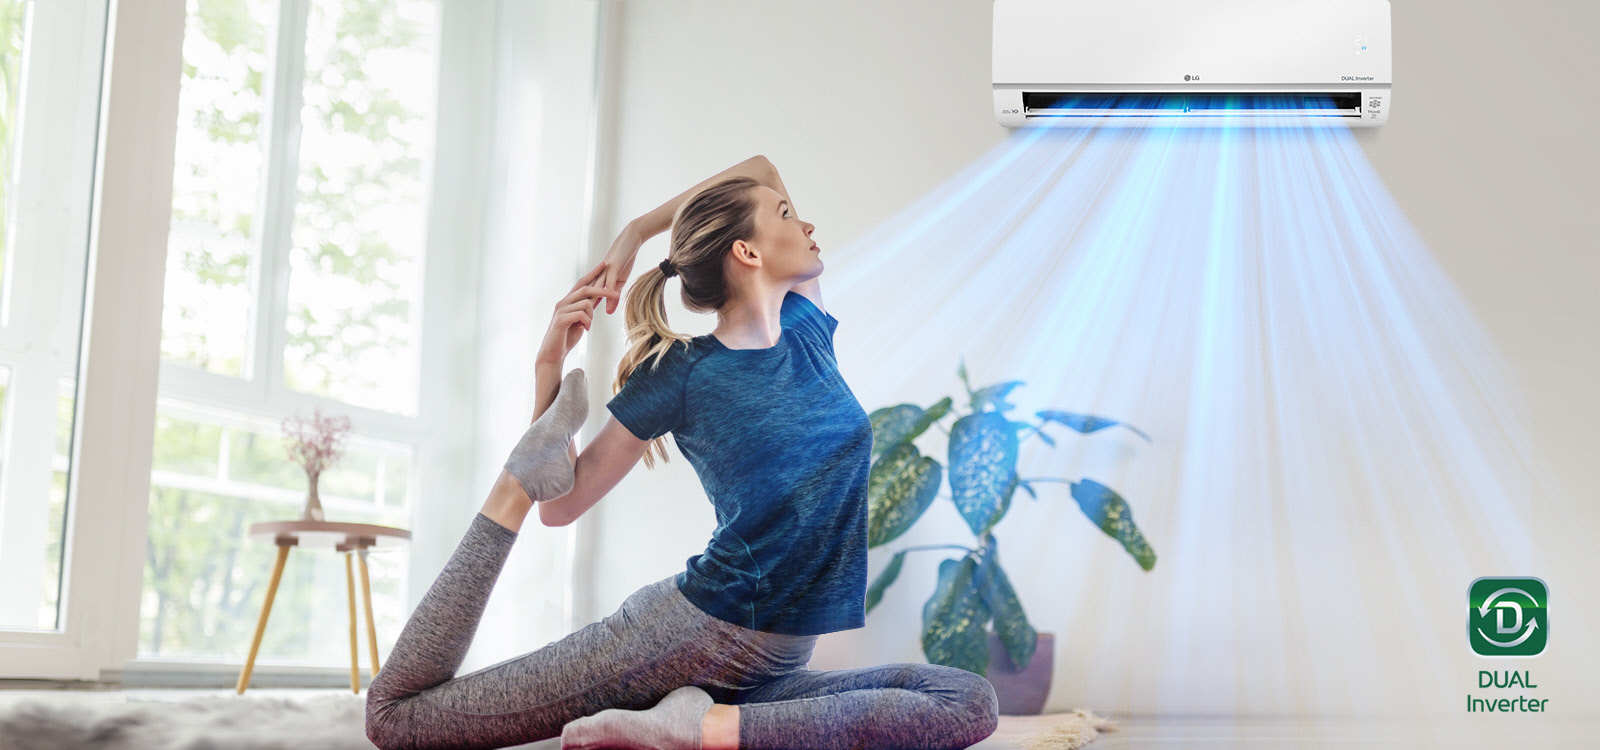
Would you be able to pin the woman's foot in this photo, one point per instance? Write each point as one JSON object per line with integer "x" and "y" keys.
{"x": 674, "y": 724}
{"x": 540, "y": 462}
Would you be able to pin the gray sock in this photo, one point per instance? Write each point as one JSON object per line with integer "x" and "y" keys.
{"x": 540, "y": 462}
{"x": 674, "y": 724}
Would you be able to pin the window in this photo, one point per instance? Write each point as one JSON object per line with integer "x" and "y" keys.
{"x": 49, "y": 61}
{"x": 354, "y": 283}
{"x": 216, "y": 188}
{"x": 295, "y": 261}
{"x": 211, "y": 477}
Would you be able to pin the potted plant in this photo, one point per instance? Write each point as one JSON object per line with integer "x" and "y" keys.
{"x": 314, "y": 445}
{"x": 974, "y": 590}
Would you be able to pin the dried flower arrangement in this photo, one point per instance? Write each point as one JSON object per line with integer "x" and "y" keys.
{"x": 314, "y": 445}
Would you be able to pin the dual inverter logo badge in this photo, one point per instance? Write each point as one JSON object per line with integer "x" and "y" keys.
{"x": 1508, "y": 616}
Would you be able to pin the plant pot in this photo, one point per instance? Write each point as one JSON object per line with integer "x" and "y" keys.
{"x": 1022, "y": 692}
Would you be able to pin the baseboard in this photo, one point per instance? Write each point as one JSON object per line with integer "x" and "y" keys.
{"x": 210, "y": 674}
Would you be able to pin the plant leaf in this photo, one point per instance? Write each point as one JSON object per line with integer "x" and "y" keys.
{"x": 893, "y": 425}
{"x": 900, "y": 486}
{"x": 934, "y": 414}
{"x": 996, "y": 395}
{"x": 1087, "y": 423}
{"x": 890, "y": 425}
{"x": 955, "y": 619}
{"x": 1000, "y": 512}
{"x": 1010, "y": 622}
{"x": 881, "y": 583}
{"x": 1111, "y": 513}
{"x": 983, "y": 462}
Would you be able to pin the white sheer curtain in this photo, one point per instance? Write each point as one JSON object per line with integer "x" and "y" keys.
{"x": 536, "y": 230}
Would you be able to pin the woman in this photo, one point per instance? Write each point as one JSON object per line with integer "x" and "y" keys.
{"x": 717, "y": 653}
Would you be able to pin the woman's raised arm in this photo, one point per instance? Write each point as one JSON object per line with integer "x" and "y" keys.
{"x": 619, "y": 259}
{"x": 660, "y": 219}
{"x": 604, "y": 462}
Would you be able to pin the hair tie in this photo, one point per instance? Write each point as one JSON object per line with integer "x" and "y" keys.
{"x": 667, "y": 269}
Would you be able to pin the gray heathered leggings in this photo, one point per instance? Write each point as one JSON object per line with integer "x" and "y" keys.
{"x": 657, "y": 642}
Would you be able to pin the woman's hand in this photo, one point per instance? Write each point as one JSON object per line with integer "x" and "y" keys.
{"x": 574, "y": 315}
{"x": 619, "y": 263}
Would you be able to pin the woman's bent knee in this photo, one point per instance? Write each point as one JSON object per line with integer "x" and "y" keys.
{"x": 989, "y": 714}
{"x": 381, "y": 737}
{"x": 986, "y": 710}
{"x": 978, "y": 704}
{"x": 383, "y": 725}
{"x": 967, "y": 699}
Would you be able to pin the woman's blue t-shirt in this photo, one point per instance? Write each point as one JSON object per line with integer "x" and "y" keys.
{"x": 782, "y": 448}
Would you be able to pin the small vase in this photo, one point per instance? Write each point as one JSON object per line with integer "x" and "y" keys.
{"x": 313, "y": 509}
{"x": 1022, "y": 692}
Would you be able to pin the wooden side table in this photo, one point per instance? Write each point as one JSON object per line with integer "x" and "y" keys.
{"x": 351, "y": 539}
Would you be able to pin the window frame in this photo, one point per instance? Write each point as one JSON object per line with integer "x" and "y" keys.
{"x": 262, "y": 389}
{"x": 116, "y": 361}
{"x": 120, "y": 371}
{"x": 57, "y": 103}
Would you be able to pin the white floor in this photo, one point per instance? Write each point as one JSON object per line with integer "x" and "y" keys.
{"x": 1533, "y": 731}
{"x": 1264, "y": 733}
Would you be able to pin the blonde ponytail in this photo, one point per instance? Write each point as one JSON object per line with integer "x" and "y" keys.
{"x": 648, "y": 337}
{"x": 703, "y": 231}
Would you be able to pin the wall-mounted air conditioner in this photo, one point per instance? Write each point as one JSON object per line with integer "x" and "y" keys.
{"x": 1188, "y": 62}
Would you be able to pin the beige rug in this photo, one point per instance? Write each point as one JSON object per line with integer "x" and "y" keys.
{"x": 89, "y": 721}
{"x": 324, "y": 720}
{"x": 1066, "y": 731}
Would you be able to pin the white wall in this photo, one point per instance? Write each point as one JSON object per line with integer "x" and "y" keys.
{"x": 703, "y": 86}
{"x": 1510, "y": 207}
{"x": 1507, "y": 204}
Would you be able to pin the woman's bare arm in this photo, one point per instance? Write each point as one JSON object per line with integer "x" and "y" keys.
{"x": 660, "y": 219}
{"x": 604, "y": 462}
{"x": 634, "y": 234}
{"x": 615, "y": 450}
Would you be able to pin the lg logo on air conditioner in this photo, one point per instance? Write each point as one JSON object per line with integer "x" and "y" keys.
{"x": 1508, "y": 616}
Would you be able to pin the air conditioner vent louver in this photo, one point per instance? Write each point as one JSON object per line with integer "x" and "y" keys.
{"x": 1037, "y": 104}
